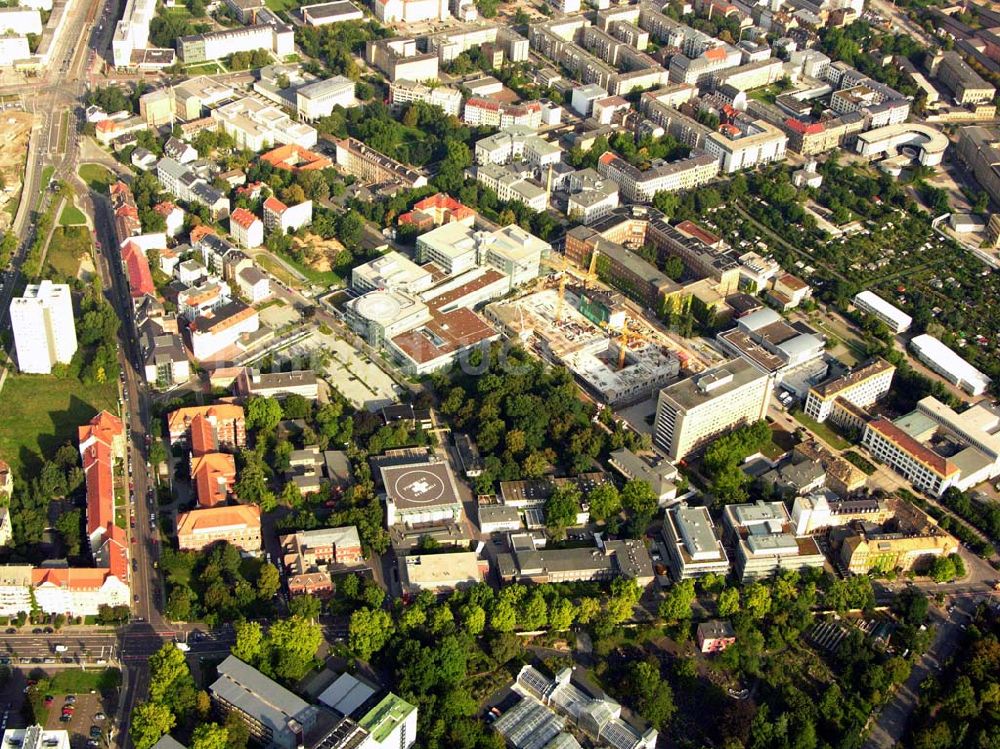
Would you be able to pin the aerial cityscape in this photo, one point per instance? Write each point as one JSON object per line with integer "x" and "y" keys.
{"x": 485, "y": 374}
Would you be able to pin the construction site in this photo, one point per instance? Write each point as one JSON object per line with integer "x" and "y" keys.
{"x": 619, "y": 360}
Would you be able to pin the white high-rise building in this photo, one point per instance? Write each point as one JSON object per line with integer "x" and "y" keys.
{"x": 43, "y": 325}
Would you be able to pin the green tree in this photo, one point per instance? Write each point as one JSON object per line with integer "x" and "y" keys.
{"x": 368, "y": 632}
{"x": 604, "y": 502}
{"x": 561, "y": 509}
{"x": 168, "y": 673}
{"x": 534, "y": 612}
{"x": 757, "y": 600}
{"x": 473, "y": 618}
{"x": 210, "y": 736}
{"x": 639, "y": 501}
{"x": 268, "y": 582}
{"x": 293, "y": 643}
{"x": 249, "y": 646}
{"x": 729, "y": 602}
{"x": 306, "y": 606}
{"x": 150, "y": 721}
{"x": 263, "y": 413}
{"x": 676, "y": 604}
{"x": 561, "y": 614}
{"x": 503, "y": 616}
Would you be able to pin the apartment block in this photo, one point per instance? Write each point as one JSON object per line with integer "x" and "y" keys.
{"x": 246, "y": 229}
{"x": 403, "y": 92}
{"x": 746, "y": 144}
{"x": 44, "y": 327}
{"x": 693, "y": 411}
{"x": 373, "y": 167}
{"x": 490, "y": 113}
{"x": 640, "y": 186}
{"x": 216, "y": 45}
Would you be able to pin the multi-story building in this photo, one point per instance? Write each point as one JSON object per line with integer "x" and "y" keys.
{"x": 246, "y": 229}
{"x": 437, "y": 210}
{"x": 222, "y": 328}
{"x": 693, "y": 411}
{"x": 14, "y": 49}
{"x": 439, "y": 572}
{"x": 490, "y": 113}
{"x": 746, "y": 145}
{"x": 764, "y": 539}
{"x": 512, "y": 184}
{"x": 517, "y": 143}
{"x": 815, "y": 513}
{"x": 284, "y": 218}
{"x": 132, "y": 31}
{"x": 180, "y": 181}
{"x": 590, "y": 196}
{"x": 238, "y": 525}
{"x": 391, "y": 724}
{"x": 316, "y": 100}
{"x": 274, "y": 716}
{"x": 692, "y": 545}
{"x": 227, "y": 421}
{"x": 874, "y": 305}
{"x": 400, "y": 59}
{"x": 610, "y": 560}
{"x": 251, "y": 382}
{"x": 44, "y": 327}
{"x": 411, "y": 11}
{"x": 256, "y": 125}
{"x": 924, "y": 468}
{"x": 862, "y": 388}
{"x": 402, "y": 92}
{"x": 966, "y": 84}
{"x": 373, "y": 167}
{"x": 335, "y": 12}
{"x": 304, "y": 550}
{"x": 929, "y": 143}
{"x": 911, "y": 540}
{"x": 949, "y": 365}
{"x": 215, "y": 45}
{"x": 640, "y": 186}
{"x": 457, "y": 248}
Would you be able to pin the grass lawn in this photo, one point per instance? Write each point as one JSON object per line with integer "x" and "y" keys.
{"x": 69, "y": 245}
{"x": 860, "y": 462}
{"x": 74, "y": 681}
{"x": 273, "y": 267}
{"x": 13, "y": 204}
{"x": 822, "y": 431}
{"x": 43, "y": 183}
{"x": 204, "y": 68}
{"x": 97, "y": 177}
{"x": 279, "y": 5}
{"x": 72, "y": 216}
{"x": 38, "y": 413}
{"x": 320, "y": 278}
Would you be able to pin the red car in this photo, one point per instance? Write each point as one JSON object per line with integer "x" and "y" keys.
{"x": 49, "y": 699}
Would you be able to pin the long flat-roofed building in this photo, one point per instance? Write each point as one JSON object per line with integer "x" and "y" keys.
{"x": 323, "y": 14}
{"x": 439, "y": 572}
{"x": 897, "y": 320}
{"x": 421, "y": 492}
{"x": 763, "y": 536}
{"x": 693, "y": 411}
{"x": 861, "y": 388}
{"x": 692, "y": 545}
{"x": 949, "y": 365}
{"x": 373, "y": 167}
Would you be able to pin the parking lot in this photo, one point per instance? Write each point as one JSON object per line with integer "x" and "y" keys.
{"x": 87, "y": 698}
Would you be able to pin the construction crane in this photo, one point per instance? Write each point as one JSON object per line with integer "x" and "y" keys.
{"x": 627, "y": 334}
{"x": 561, "y": 265}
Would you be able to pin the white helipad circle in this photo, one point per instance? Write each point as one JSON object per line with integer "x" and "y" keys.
{"x": 378, "y": 305}
{"x": 418, "y": 486}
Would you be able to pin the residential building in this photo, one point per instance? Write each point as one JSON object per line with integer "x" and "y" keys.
{"x": 762, "y": 534}
{"x": 254, "y": 285}
{"x": 227, "y": 422}
{"x": 323, "y": 14}
{"x": 215, "y": 45}
{"x": 246, "y": 229}
{"x": 399, "y": 59}
{"x": 693, "y": 411}
{"x": 437, "y": 210}
{"x": 44, "y": 327}
{"x": 402, "y": 92}
{"x": 510, "y": 184}
{"x": 746, "y": 144}
{"x": 274, "y": 716}
{"x": 440, "y": 572}
{"x": 15, "y": 589}
{"x": 180, "y": 181}
{"x": 949, "y": 365}
{"x": 640, "y": 186}
{"x": 283, "y": 218}
{"x": 693, "y": 547}
{"x": 517, "y": 143}
{"x": 296, "y": 159}
{"x": 215, "y": 331}
{"x": 861, "y": 388}
{"x": 137, "y": 272}
{"x": 207, "y": 296}
{"x": 410, "y": 11}
{"x": 373, "y": 167}
{"x": 874, "y": 305}
{"x": 238, "y": 525}
{"x": 491, "y": 113}
{"x": 715, "y": 635}
{"x": 173, "y": 216}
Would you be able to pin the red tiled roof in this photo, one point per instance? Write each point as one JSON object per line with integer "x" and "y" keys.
{"x": 493, "y": 106}
{"x": 202, "y": 436}
{"x": 805, "y": 128}
{"x": 214, "y": 474}
{"x": 200, "y": 232}
{"x": 70, "y": 578}
{"x": 218, "y": 517}
{"x": 165, "y": 208}
{"x": 912, "y": 447}
{"x": 715, "y": 54}
{"x": 704, "y": 235}
{"x": 274, "y": 205}
{"x": 104, "y": 427}
{"x": 117, "y": 551}
{"x": 98, "y": 469}
{"x": 140, "y": 279}
{"x": 242, "y": 217}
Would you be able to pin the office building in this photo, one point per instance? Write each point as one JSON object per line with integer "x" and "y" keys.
{"x": 441, "y": 572}
{"x": 318, "y": 99}
{"x": 609, "y": 560}
{"x": 251, "y": 382}
{"x": 949, "y": 365}
{"x": 238, "y": 525}
{"x": 817, "y": 512}
{"x": 410, "y": 11}
{"x": 43, "y": 326}
{"x": 745, "y": 144}
{"x": 256, "y": 125}
{"x": 910, "y": 540}
{"x": 660, "y": 474}
{"x": 693, "y": 546}
{"x": 967, "y": 86}
{"x": 323, "y": 14}
{"x": 590, "y": 196}
{"x": 274, "y": 716}
{"x": 402, "y": 92}
{"x": 763, "y": 536}
{"x": 420, "y": 492}
{"x": 215, "y": 45}
{"x": 215, "y": 331}
{"x": 861, "y": 388}
{"x": 693, "y": 411}
{"x": 400, "y": 59}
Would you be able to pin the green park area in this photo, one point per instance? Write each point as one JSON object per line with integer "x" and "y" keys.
{"x": 38, "y": 413}
{"x": 823, "y": 431}
{"x": 97, "y": 177}
{"x": 72, "y": 216}
{"x": 69, "y": 245}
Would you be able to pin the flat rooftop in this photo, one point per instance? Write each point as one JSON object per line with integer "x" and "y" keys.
{"x": 420, "y": 485}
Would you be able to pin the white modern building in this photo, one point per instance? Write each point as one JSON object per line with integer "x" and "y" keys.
{"x": 949, "y": 365}
{"x": 693, "y": 547}
{"x": 874, "y": 305}
{"x": 861, "y": 388}
{"x": 21, "y": 21}
{"x": 44, "y": 327}
{"x": 35, "y": 737}
{"x": 285, "y": 218}
{"x": 13, "y": 48}
{"x": 316, "y": 100}
{"x": 323, "y": 14}
{"x": 517, "y": 144}
{"x": 411, "y": 11}
{"x": 278, "y": 38}
{"x": 132, "y": 31}
{"x": 256, "y": 125}
{"x": 246, "y": 229}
